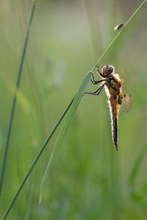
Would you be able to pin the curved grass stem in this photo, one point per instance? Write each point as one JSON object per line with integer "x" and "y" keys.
{"x": 72, "y": 106}
{"x": 118, "y": 34}
{"x": 35, "y": 161}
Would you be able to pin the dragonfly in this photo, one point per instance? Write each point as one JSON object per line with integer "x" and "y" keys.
{"x": 113, "y": 85}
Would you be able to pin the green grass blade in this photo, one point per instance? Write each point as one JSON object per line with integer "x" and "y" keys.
{"x": 15, "y": 99}
{"x": 118, "y": 34}
{"x": 74, "y": 103}
{"x": 65, "y": 126}
{"x": 35, "y": 161}
{"x": 73, "y": 109}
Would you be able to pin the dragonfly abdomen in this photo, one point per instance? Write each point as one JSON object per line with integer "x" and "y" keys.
{"x": 115, "y": 133}
{"x": 114, "y": 111}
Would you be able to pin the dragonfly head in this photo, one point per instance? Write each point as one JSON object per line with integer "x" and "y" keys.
{"x": 107, "y": 70}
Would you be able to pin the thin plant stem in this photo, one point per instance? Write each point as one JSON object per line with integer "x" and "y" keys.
{"x": 35, "y": 160}
{"x": 75, "y": 101}
{"x": 15, "y": 99}
{"x": 65, "y": 126}
{"x": 118, "y": 34}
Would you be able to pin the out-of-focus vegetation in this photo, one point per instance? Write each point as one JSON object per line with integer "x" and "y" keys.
{"x": 87, "y": 179}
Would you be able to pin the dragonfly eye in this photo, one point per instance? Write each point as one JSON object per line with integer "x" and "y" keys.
{"x": 107, "y": 70}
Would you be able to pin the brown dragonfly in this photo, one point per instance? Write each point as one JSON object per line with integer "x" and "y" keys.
{"x": 113, "y": 85}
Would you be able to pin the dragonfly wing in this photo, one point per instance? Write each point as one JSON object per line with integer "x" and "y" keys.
{"x": 114, "y": 112}
{"x": 126, "y": 103}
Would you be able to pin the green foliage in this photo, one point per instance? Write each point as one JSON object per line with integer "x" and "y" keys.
{"x": 87, "y": 179}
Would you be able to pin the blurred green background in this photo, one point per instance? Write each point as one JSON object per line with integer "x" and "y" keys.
{"x": 87, "y": 179}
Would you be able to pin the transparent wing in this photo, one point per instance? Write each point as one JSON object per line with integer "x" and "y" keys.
{"x": 126, "y": 103}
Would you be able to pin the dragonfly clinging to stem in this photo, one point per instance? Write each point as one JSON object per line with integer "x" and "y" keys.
{"x": 113, "y": 85}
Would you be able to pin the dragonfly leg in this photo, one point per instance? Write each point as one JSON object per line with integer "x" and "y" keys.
{"x": 99, "y": 72}
{"x": 97, "y": 92}
{"x": 96, "y": 81}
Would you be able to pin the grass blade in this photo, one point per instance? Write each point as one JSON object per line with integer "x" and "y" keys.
{"x": 65, "y": 126}
{"x": 35, "y": 161}
{"x": 74, "y": 103}
{"x": 118, "y": 34}
{"x": 15, "y": 99}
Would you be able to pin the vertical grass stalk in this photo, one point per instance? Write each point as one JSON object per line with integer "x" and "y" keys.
{"x": 15, "y": 99}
